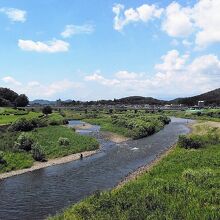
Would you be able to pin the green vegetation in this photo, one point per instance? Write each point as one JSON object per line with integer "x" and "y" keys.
{"x": 34, "y": 136}
{"x": 130, "y": 124}
{"x": 183, "y": 185}
{"x": 48, "y": 138}
{"x": 8, "y": 116}
{"x": 202, "y": 114}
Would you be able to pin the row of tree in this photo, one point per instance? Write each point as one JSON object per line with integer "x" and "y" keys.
{"x": 9, "y": 98}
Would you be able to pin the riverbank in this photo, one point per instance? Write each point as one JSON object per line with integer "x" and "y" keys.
{"x": 116, "y": 138}
{"x": 146, "y": 168}
{"x": 176, "y": 185}
{"x": 52, "y": 162}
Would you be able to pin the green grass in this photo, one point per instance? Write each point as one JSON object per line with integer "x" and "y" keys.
{"x": 48, "y": 137}
{"x": 8, "y": 119}
{"x": 183, "y": 185}
{"x": 16, "y": 161}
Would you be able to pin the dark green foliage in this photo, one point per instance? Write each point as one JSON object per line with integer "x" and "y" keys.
{"x": 193, "y": 141}
{"x": 11, "y": 98}
{"x": 38, "y": 153}
{"x": 140, "y": 125}
{"x": 24, "y": 142}
{"x": 110, "y": 111}
{"x": 2, "y": 160}
{"x": 63, "y": 141}
{"x": 21, "y": 101}
{"x": 198, "y": 141}
{"x": 22, "y": 124}
{"x": 47, "y": 110}
{"x": 8, "y": 94}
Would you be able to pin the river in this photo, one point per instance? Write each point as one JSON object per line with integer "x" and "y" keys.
{"x": 40, "y": 193}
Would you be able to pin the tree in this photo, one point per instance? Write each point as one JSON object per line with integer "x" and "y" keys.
{"x": 47, "y": 110}
{"x": 21, "y": 100}
{"x": 8, "y": 94}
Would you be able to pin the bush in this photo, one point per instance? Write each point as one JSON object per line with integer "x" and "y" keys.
{"x": 38, "y": 153}
{"x": 24, "y": 142}
{"x": 2, "y": 160}
{"x": 47, "y": 110}
{"x": 193, "y": 141}
{"x": 63, "y": 141}
{"x": 21, "y": 125}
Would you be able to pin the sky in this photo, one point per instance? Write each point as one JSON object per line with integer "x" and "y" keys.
{"x": 95, "y": 49}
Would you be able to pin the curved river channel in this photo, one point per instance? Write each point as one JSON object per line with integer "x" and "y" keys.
{"x": 40, "y": 193}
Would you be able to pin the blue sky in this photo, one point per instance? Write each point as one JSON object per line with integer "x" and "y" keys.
{"x": 95, "y": 49}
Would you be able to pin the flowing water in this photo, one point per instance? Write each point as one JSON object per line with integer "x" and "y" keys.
{"x": 40, "y": 193}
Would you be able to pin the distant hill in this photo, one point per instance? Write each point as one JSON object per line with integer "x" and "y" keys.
{"x": 42, "y": 102}
{"x": 140, "y": 100}
{"x": 210, "y": 98}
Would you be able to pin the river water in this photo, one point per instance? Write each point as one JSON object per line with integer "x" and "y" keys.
{"x": 44, "y": 192}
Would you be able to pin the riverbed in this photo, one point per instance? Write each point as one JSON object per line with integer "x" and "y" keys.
{"x": 44, "y": 192}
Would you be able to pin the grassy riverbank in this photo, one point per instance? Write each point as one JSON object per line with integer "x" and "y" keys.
{"x": 33, "y": 136}
{"x": 183, "y": 185}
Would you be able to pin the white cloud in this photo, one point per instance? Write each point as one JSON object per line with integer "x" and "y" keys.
{"x": 53, "y": 46}
{"x": 202, "y": 19}
{"x": 14, "y": 14}
{"x": 144, "y": 13}
{"x": 38, "y": 90}
{"x": 173, "y": 77}
{"x": 177, "y": 22}
{"x": 100, "y": 79}
{"x": 207, "y": 19}
{"x": 71, "y": 30}
{"x": 11, "y": 80}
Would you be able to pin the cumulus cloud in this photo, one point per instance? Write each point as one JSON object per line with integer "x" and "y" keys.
{"x": 14, "y": 14}
{"x": 37, "y": 89}
{"x": 71, "y": 30}
{"x": 177, "y": 22}
{"x": 173, "y": 76}
{"x": 144, "y": 13}
{"x": 102, "y": 80}
{"x": 207, "y": 19}
{"x": 11, "y": 80}
{"x": 202, "y": 19}
{"x": 53, "y": 46}
{"x": 199, "y": 21}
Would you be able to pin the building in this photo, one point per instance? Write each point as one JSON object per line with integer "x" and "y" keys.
{"x": 201, "y": 104}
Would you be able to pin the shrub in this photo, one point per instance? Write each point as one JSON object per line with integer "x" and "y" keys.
{"x": 63, "y": 141}
{"x": 38, "y": 153}
{"x": 21, "y": 125}
{"x": 2, "y": 160}
{"x": 24, "y": 142}
{"x": 47, "y": 110}
{"x": 193, "y": 141}
{"x": 65, "y": 122}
